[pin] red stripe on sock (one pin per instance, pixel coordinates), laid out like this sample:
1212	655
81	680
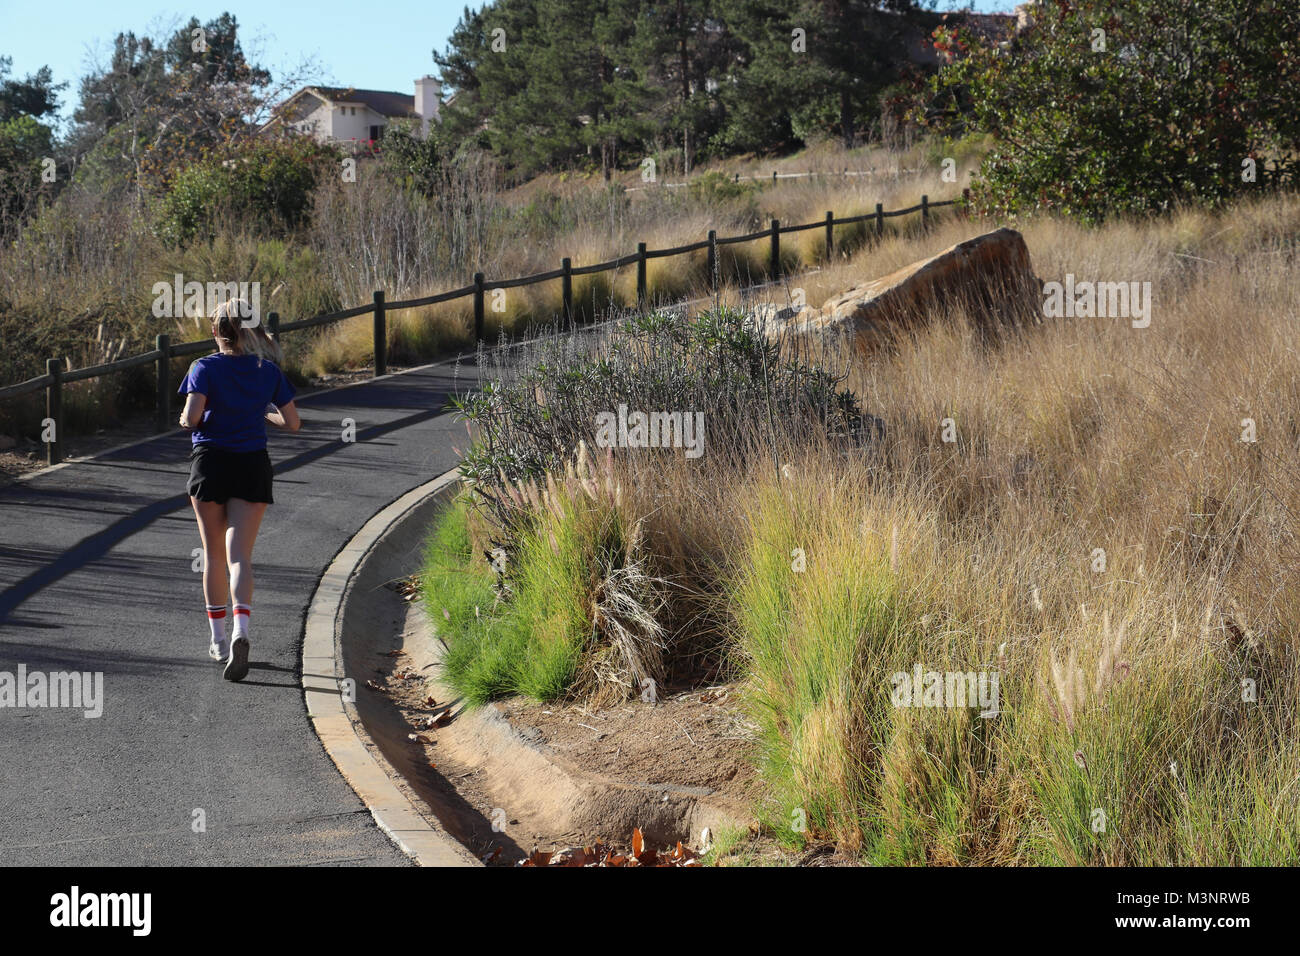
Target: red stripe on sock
243	610
217	614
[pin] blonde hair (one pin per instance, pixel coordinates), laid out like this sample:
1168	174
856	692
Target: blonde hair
228	327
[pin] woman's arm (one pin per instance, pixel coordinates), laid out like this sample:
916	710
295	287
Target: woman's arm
192	413
284	417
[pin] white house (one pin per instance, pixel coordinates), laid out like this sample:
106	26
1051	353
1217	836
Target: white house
337	114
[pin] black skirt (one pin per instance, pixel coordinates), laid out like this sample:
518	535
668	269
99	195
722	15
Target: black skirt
218	475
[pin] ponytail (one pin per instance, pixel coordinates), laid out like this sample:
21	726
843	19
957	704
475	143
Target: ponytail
240	339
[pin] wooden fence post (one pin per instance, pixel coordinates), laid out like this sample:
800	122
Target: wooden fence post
478	307
925	211
774	265
774	177
712	260
381	335
54	410
880	219
273	324
641	291
830	235
162	409
566	290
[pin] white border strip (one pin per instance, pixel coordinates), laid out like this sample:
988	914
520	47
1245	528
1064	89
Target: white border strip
391	808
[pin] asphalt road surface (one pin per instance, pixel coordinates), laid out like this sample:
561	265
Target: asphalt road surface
97	571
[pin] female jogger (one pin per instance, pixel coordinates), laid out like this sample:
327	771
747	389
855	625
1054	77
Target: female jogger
230	396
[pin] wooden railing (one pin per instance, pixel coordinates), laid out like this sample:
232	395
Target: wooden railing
56	376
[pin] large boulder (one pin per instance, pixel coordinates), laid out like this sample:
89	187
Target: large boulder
990	275
773	318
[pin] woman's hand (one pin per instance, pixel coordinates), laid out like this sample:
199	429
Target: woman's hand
286	417
192	413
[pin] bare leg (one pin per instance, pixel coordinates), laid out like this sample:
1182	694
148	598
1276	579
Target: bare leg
243	518
211	516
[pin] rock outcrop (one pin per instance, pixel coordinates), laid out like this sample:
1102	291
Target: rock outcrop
990	275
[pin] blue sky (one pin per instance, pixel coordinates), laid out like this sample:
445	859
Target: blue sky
383	45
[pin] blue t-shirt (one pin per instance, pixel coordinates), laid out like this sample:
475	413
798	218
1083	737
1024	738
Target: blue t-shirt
238	389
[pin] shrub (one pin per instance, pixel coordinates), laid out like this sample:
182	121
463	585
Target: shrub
265	184
571	609
716	187
415	160
540	406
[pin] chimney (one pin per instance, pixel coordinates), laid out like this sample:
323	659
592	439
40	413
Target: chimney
428	94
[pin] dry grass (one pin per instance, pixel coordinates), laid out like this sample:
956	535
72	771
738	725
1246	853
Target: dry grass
1099	536
662	218
73	269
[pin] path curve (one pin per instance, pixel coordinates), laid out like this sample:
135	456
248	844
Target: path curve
96	575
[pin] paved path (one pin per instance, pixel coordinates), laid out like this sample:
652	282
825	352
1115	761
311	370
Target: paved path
96	571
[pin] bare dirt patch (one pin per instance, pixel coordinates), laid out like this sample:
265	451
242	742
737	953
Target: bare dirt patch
695	738
513	777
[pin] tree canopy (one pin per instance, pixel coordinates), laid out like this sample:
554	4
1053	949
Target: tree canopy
545	83
1108	106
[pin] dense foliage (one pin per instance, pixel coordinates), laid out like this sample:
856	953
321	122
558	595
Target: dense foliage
267	183
538	407
1107	106
547	83
26	141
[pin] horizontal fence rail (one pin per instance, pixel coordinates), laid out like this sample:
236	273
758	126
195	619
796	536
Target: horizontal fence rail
56	375
810	174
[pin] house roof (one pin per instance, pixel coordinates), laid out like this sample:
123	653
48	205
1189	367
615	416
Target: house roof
381	101
988	26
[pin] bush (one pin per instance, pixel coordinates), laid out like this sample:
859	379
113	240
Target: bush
24	143
415	161
267	185
715	187
566	528
719	365
573	614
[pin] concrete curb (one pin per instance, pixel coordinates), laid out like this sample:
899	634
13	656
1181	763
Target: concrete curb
369	774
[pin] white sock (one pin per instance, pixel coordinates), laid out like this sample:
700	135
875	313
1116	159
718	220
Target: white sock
217	622
242	611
